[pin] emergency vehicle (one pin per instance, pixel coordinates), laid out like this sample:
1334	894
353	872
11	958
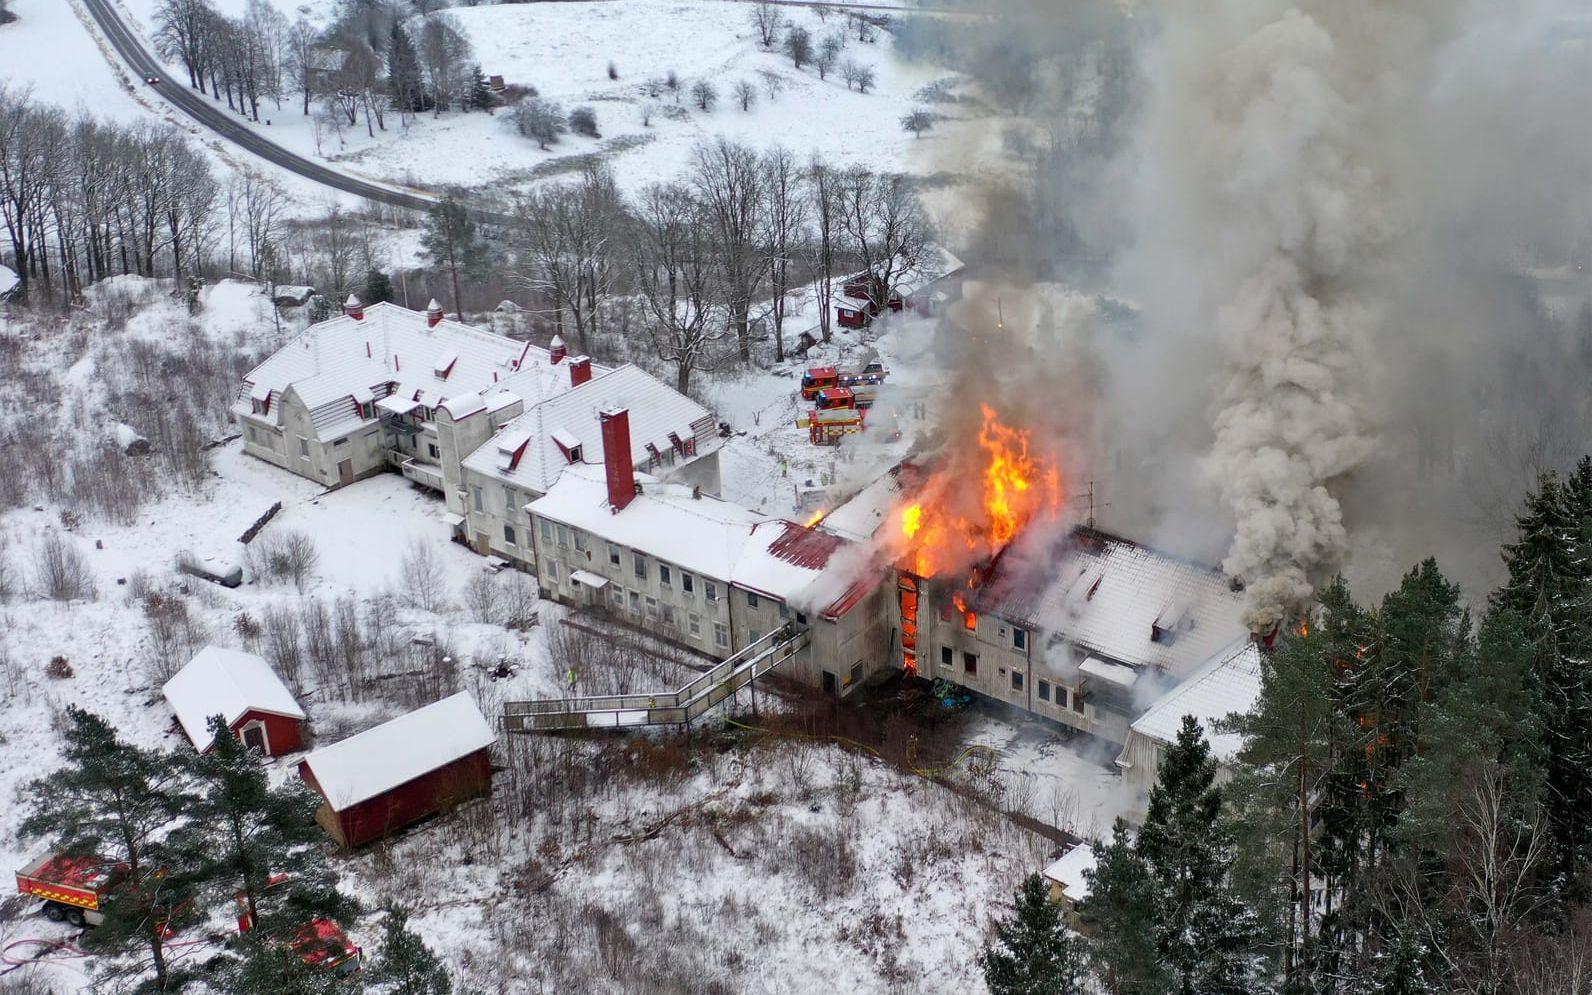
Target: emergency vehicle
870	374
71	887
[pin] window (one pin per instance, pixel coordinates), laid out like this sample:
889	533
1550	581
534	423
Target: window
635	602
340	442
563	537
641	567
1077	702
1044	690
687	582
580	540
511	502
947	658
613	554
1017	680
751	600
1020	638
547	531
721	634
970	663
508	535
856	674
663	574
304	448
552	571
652	607
668	615
616	594
710	590
753	637
431	447
801	618
784	610
475	496
694	623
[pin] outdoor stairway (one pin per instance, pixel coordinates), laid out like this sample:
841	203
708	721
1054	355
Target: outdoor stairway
667	708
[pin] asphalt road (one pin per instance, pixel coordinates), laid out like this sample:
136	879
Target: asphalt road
214	116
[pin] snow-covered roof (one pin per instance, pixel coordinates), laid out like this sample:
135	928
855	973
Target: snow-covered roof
569	419
860	516
8	280
702	534
1069	870
1119	601
784	559
228	683
335	360
396	752
1226	683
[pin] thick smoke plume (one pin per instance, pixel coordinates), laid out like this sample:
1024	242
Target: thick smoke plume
1354	236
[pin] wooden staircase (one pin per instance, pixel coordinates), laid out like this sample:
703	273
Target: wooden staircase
666	708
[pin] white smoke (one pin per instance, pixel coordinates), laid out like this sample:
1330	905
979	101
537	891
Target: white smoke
1276	183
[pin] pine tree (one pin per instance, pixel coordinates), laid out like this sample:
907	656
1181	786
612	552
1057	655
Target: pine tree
1205	936
1120	915
449	240
244	832
404	78
378	287
109	800
1033	952
480	97
406	963
1398	970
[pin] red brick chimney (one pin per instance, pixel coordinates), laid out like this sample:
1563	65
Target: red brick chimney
618	465
556	351
579	370
433	313
354	308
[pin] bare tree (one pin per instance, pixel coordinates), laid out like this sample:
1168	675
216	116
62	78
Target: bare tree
727	180
823	194
885	225
674	275
302	61
799	46
828	54
420	574
61	571
784	225
563	233
540	120
745	94
918	122
447	59
704	94
767	20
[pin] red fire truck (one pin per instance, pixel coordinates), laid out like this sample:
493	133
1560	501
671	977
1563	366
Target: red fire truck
869	374
319	942
71	887
837	414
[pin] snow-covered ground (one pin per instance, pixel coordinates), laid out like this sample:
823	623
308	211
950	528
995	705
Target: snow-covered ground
563	50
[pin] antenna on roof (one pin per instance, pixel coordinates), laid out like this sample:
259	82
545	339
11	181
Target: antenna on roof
1000	316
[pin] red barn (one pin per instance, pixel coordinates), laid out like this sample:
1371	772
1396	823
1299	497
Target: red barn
242	689
399	772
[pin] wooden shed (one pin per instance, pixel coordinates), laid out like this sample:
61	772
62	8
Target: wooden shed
391	776
242	689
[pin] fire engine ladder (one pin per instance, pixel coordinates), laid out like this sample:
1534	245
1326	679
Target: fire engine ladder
667	708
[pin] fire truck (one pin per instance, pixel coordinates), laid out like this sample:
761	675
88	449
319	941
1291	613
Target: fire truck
319	942
870	374
71	887
837	413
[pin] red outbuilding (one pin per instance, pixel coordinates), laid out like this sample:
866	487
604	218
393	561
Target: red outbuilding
242	689
388	777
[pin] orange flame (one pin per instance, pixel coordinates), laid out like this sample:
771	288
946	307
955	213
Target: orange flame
1017	486
817	517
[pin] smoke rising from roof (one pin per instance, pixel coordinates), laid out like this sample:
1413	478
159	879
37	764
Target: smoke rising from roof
1334	218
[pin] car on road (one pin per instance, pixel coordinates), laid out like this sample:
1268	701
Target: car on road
152	80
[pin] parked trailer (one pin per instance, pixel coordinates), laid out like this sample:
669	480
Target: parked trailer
71	887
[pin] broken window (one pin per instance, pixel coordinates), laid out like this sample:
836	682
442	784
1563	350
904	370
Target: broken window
663	574
1020	639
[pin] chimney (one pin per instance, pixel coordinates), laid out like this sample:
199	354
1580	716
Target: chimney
617	462
579	370
353	308
433	313
556	351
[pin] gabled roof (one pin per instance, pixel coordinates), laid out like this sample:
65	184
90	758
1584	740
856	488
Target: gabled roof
1226	683
1105	595
784	560
396	752
225	682
397	350
569	418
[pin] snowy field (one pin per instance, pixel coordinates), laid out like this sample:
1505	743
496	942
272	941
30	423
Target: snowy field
563	50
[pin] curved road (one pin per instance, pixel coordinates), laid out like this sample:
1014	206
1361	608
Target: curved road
216	118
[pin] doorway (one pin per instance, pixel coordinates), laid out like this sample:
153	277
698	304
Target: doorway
345	473
831	684
254	737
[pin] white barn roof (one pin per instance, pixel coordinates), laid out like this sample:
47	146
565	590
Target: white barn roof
396	752
1228	682
1070	869
225	682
